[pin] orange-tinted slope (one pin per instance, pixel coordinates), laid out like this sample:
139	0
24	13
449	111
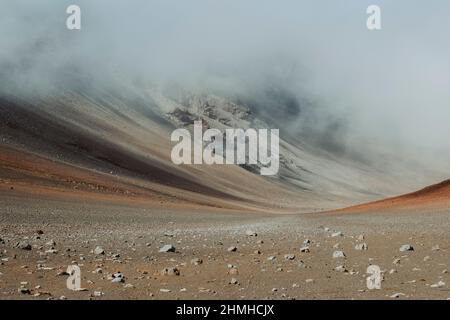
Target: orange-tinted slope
434	196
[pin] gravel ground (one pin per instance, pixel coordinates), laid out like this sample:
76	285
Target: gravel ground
41	238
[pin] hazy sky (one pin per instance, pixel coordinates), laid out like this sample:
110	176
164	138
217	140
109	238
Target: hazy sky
390	85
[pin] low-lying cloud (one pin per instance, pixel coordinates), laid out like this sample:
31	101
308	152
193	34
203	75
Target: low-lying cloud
312	64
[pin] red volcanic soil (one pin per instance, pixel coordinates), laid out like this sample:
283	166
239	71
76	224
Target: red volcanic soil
434	196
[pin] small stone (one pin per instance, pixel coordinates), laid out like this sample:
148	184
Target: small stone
24	245
406	247
397	295
99	250
98	293
289	257
337	234
396	261
232	249
360	237
196	261
340	269
24	290
361	246
50	243
118	277
309	280
338	254
271	258
251	233
440	284
304	249
234	281
427	258
435	248
117	280
164	290
172	271
53	251
306	242
167	248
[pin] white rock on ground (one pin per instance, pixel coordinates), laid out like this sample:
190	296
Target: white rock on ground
167	248
338	254
99	250
361	246
406	247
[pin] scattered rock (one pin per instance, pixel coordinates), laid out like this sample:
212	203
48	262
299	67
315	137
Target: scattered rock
99	250
340	269
24	290
337	234
170	271
196	261
304	249
289	257
360	237
397	295
306	242
251	233
234	281
118	277
271	258
396	261
98	293
406	247
361	246
440	284
167	248
164	290
338	254
50	243
24	245
232	249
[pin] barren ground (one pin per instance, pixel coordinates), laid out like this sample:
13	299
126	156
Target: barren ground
132	236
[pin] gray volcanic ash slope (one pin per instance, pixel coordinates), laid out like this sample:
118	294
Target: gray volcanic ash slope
122	139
